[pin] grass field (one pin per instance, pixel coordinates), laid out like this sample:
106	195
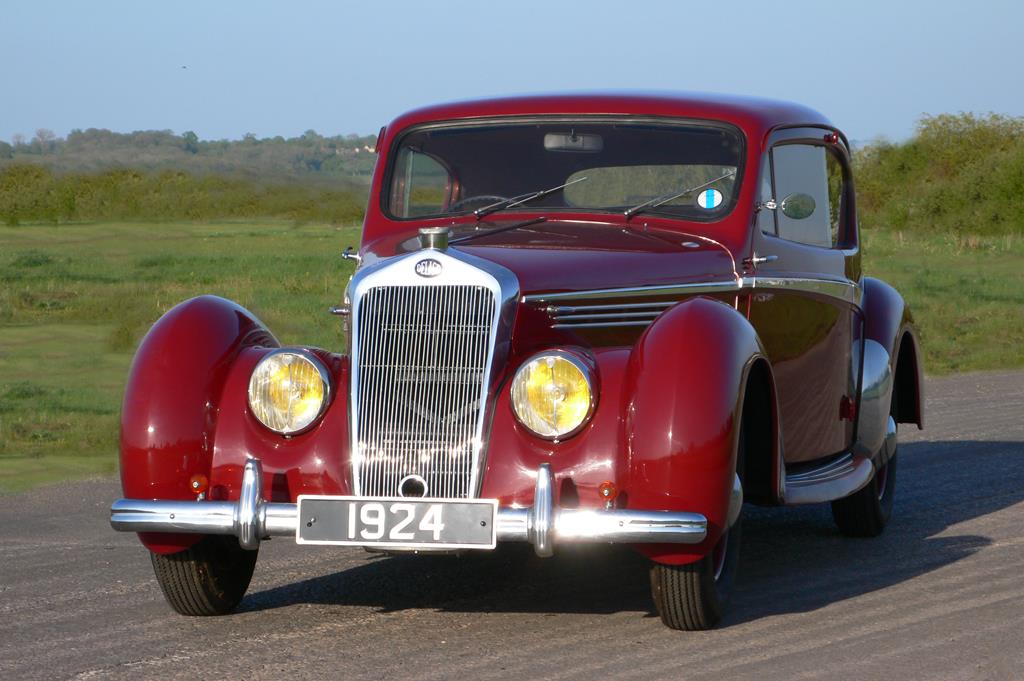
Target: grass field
76	299
965	294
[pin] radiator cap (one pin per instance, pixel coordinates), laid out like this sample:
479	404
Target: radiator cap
434	237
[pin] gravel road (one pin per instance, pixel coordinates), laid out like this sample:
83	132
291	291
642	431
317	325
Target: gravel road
939	596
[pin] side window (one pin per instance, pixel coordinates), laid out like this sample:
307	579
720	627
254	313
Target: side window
422	188
802	193
836	197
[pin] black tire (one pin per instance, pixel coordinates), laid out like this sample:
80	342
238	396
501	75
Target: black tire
689	597
865	513
210	578
694	597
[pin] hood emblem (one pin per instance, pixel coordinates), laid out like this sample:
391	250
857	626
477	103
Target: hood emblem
428	267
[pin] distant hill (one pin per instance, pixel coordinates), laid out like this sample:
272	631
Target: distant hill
311	157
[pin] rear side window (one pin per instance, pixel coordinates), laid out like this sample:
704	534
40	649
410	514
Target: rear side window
804	196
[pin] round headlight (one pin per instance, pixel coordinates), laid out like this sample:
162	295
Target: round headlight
288	391
552	394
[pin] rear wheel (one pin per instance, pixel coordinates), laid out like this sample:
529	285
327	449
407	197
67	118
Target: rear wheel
209	578
866	512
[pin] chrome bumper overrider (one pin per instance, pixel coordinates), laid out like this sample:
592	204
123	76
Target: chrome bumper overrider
252	519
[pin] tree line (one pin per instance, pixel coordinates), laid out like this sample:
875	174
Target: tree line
959	174
308	157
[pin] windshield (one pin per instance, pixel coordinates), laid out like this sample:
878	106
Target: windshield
687	170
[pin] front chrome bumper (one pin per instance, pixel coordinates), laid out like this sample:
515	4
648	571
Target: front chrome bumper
252	519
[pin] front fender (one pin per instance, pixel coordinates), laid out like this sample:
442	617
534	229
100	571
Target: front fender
685	388
170	404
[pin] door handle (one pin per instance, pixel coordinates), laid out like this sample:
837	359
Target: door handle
760	259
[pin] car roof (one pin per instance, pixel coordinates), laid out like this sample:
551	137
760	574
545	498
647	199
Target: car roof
755	115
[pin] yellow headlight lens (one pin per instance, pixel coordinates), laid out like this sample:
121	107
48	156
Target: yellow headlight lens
551	394
287	391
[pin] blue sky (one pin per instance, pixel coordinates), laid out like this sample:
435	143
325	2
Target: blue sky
275	68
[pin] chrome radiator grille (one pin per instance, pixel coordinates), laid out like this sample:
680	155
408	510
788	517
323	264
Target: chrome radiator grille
421	355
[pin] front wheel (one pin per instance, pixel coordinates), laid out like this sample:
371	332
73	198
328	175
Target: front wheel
208	578
694	597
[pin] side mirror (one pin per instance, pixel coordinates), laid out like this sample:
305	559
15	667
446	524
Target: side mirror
798	206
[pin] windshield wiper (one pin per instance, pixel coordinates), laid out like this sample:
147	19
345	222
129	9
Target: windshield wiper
665	198
521	199
505	228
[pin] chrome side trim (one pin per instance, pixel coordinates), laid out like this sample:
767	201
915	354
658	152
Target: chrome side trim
572	309
615	315
597	325
636	291
542	524
835	480
845	290
629	314
641	314
830	471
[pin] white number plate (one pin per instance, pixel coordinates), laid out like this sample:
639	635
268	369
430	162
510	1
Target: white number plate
398	522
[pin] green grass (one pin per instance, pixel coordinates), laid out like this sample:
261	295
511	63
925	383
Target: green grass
965	294
75	300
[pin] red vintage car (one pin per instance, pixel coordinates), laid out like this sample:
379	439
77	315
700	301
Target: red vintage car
587	318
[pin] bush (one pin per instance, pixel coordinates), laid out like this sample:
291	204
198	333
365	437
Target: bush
960	174
32	193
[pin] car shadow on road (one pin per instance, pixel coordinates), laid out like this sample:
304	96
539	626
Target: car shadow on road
793	559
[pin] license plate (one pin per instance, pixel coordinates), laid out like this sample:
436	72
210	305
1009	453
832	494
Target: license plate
398	522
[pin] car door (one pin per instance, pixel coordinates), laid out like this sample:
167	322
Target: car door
806	277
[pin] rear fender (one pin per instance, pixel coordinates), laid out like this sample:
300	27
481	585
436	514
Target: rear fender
684	400
171	401
891	360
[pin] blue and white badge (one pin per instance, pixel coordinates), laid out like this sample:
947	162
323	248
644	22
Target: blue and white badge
709	199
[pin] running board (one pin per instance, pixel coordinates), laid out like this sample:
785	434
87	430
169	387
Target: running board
834	480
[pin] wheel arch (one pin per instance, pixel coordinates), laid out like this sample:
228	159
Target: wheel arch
762	465
908	382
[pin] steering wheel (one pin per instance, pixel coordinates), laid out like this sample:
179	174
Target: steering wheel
485	199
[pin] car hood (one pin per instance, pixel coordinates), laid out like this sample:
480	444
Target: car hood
580	255
559	256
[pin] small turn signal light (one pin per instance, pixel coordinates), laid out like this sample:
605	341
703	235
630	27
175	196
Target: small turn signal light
608	490
198	483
